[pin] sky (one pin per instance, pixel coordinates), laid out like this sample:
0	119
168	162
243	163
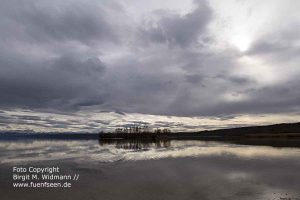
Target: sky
95	65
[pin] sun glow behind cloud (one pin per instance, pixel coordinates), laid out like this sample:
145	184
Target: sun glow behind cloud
242	22
242	42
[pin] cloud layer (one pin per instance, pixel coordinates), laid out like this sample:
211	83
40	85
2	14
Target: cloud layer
198	59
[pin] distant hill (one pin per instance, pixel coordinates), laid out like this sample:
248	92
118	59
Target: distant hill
284	129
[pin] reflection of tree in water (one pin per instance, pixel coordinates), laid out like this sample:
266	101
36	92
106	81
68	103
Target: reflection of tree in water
137	144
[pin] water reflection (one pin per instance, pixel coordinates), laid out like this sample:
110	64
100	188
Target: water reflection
24	151
137	144
197	169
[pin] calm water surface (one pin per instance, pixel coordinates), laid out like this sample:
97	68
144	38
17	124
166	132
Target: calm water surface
159	170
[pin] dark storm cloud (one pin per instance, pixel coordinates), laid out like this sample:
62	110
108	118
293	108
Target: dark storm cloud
264	47
66	81
176	30
282	44
28	117
5	119
279	50
38	66
287	96
271	99
239	79
194	78
56	21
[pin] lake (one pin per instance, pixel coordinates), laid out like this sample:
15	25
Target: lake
136	169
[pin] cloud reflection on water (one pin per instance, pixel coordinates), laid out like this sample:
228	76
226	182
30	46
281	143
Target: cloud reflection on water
205	170
37	150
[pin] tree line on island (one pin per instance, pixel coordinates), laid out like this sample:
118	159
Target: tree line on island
141	129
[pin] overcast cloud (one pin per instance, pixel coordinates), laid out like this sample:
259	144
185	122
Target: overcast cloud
188	60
